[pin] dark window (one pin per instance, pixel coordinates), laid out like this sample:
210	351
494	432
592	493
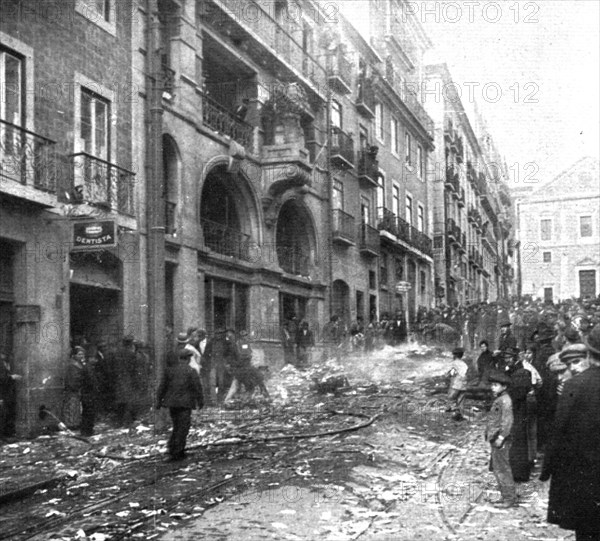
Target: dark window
547	257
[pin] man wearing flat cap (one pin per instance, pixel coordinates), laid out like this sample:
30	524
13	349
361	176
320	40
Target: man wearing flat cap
498	433
547	394
572	460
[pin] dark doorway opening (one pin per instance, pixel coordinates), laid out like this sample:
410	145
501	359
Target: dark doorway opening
95	314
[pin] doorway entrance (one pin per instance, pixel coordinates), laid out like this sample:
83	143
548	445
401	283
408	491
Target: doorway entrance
95	314
226	305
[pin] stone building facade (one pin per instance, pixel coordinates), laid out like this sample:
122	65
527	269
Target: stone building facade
69	252
473	247
558	228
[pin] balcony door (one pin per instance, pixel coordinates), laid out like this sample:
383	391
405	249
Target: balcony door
11	92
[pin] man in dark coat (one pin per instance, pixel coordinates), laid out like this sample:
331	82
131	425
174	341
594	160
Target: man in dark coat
573	459
8	398
520	385
547	396
180	391
506	339
304	341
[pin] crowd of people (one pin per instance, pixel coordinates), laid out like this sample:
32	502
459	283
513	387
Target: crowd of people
546	406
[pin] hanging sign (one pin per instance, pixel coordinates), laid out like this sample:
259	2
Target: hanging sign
94	234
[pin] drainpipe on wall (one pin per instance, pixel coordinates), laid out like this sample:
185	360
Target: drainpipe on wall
155	213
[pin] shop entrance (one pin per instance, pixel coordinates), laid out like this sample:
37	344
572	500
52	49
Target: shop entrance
291	306
95	297
95	314
226	305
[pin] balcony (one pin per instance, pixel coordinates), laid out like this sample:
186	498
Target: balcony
481	185
402	230
28	165
293	260
340	73
462	241
226	240
344	230
368	169
168	81
257	31
170	209
103	184
421	241
451	182
365	103
369	240
219	119
461	197
451	230
387	221
342	149
460	152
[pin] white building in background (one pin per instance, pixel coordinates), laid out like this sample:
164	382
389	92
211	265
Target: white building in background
559	230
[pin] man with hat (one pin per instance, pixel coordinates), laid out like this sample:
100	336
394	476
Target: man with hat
458	383
498	433
506	338
573	459
181	392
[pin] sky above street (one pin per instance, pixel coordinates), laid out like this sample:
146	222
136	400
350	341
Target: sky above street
533	70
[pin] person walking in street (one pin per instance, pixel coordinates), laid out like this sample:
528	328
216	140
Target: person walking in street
180	391
458	383
498	434
572	461
304	341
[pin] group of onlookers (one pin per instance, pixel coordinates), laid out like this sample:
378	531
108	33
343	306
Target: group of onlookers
116	382
203	371
547	401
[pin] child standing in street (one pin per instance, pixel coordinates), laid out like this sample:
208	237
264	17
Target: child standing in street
498	433
458	383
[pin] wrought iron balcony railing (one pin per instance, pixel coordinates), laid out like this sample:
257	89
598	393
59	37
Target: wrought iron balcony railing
386	221
369	239
368	167
340	73
294	260
219	119
267	31
342	148
27	158
226	240
103	183
365	103
421	241
343	226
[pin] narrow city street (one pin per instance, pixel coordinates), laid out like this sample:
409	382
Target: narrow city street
377	459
